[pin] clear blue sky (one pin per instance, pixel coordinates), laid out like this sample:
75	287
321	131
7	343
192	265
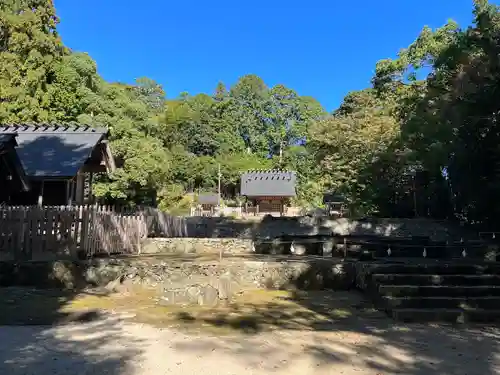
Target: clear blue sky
321	48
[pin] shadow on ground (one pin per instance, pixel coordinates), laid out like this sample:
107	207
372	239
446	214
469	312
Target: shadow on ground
33	341
340	329
92	347
261	311
42	334
270	330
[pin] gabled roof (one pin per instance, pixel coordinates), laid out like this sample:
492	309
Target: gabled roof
208	198
333	197
52	150
268	183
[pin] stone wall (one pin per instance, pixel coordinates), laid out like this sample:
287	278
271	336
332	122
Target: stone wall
269	227
385	227
196	245
175	274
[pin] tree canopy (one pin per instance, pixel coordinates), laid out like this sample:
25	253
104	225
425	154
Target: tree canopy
421	140
427	125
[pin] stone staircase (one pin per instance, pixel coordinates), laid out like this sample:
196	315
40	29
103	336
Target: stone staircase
418	291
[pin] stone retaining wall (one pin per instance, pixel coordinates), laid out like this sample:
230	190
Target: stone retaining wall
269	227
243	274
196	245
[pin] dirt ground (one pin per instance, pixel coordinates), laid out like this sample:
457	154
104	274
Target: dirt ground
261	332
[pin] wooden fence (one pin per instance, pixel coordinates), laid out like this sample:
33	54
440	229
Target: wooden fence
162	224
33	233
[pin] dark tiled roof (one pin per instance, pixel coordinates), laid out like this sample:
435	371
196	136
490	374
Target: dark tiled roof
54	151
208	199
268	183
7	140
332	197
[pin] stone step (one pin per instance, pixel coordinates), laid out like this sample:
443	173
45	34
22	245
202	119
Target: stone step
421	280
486	303
438	291
446	315
452	268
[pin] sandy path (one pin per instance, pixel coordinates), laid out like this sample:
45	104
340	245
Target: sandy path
112	346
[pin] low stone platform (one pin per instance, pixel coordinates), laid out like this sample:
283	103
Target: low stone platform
206	291
185	245
187	278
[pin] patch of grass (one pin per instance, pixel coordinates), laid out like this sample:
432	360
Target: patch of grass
249	312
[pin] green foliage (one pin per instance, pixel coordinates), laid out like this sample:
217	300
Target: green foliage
30	52
245	127
165	148
388	147
350	142
433	108
173	198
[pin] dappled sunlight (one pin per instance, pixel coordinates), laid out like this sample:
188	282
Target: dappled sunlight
417	350
257	311
282	330
249	312
97	346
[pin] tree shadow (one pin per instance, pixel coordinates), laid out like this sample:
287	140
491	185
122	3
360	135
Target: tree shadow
84	347
340	329
42	333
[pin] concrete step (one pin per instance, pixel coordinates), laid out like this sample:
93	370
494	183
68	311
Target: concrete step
446	315
439	291
420	280
486	303
438	268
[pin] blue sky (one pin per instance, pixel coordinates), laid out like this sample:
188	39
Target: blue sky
320	48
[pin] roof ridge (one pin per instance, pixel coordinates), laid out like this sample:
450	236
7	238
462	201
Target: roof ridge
269	171
48	128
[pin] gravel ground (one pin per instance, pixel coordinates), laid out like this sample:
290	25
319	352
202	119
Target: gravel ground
111	345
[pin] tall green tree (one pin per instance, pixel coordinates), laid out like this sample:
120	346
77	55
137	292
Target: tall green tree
30	51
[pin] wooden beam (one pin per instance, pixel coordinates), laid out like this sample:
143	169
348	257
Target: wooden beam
80	177
91	192
109	160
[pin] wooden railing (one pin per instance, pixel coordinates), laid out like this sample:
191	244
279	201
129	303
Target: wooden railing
31	232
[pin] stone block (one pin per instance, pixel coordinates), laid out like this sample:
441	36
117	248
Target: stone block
328	249
175	297
193	292
151	247
224	287
199	247
208	296
180	247
204	295
298	248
